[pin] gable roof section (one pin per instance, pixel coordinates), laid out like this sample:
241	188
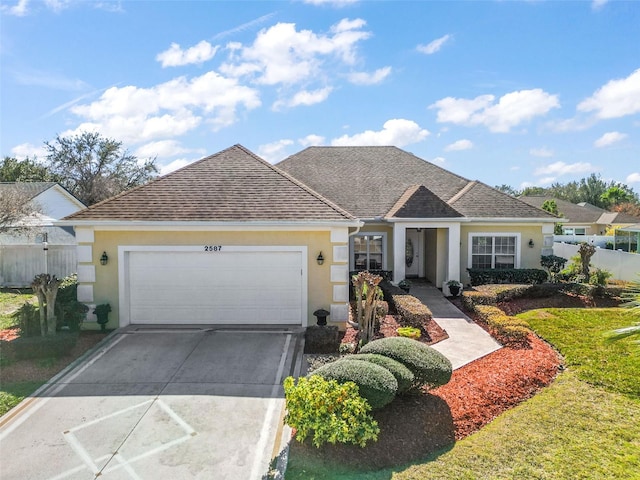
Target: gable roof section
420	202
232	185
370	181
582	213
32	189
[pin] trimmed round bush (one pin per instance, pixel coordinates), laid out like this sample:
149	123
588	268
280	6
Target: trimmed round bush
376	384
429	366
403	375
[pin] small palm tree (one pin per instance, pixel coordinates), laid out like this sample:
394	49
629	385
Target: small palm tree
632	297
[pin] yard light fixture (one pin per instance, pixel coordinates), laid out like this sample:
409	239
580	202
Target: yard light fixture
531	243
104	258
320	259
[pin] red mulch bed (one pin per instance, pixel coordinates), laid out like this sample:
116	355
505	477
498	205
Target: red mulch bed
431	331
9	334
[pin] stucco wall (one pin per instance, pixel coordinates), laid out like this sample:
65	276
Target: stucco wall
326	283
529	257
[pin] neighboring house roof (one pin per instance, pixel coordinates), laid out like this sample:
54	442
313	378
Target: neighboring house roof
232	185
50	201
582	213
370	181
32	189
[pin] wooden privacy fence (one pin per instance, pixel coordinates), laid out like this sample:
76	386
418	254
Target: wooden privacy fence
20	263
622	265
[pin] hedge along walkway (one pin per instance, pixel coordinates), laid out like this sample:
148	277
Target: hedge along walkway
467	340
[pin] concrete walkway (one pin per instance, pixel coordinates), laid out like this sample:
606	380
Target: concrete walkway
467	341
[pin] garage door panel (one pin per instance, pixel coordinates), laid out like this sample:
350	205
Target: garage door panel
220	287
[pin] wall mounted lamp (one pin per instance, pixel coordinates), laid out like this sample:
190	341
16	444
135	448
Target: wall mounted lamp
104	259
531	244
320	259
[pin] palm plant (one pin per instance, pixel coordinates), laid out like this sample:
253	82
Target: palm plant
632	297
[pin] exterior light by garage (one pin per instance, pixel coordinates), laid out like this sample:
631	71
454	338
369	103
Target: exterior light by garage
320	259
531	243
321	315
104	259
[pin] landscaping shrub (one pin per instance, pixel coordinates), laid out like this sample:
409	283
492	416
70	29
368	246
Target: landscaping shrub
553	264
599	277
502	325
376	384
402	374
429	366
28	319
40	347
409	332
493	294
328	411
482	276
412	311
70	312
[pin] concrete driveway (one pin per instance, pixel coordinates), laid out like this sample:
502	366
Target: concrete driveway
158	403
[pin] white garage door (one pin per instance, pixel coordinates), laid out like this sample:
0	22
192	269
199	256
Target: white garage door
221	287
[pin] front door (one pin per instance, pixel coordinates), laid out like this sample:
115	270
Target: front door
413	252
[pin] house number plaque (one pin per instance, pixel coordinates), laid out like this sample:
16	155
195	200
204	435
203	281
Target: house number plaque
212	248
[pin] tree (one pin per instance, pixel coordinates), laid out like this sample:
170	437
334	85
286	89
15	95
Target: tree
530	191
94	168
508	189
27	170
616	195
15	207
46	288
551	206
627	207
586	251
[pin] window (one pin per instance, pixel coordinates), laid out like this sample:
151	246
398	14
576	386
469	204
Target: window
574	230
494	251
368	252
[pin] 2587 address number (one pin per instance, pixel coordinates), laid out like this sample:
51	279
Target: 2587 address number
212	248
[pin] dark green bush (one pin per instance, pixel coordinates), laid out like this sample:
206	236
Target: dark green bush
376	384
28	319
403	375
412	311
41	347
328	411
70	313
429	366
482	276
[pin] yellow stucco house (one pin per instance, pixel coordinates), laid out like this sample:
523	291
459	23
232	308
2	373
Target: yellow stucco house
231	239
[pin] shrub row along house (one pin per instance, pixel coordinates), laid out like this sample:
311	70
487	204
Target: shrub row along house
231	239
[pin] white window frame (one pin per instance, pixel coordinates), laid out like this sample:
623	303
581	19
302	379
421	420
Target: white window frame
565	230
495	234
352	263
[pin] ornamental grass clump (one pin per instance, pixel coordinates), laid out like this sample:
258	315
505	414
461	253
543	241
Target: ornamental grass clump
328	411
430	367
376	384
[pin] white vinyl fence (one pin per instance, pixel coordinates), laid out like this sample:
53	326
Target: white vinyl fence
20	263
622	265
597	240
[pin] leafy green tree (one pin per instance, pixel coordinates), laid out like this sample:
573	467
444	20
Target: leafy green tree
551	206
27	170
616	195
508	189
529	191
94	168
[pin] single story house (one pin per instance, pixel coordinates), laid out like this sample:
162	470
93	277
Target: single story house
583	218
231	239
43	247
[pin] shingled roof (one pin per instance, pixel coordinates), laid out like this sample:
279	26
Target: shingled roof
369	182
232	185
31	189
583	212
420	202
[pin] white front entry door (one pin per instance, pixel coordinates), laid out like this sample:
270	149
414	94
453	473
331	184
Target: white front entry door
414	248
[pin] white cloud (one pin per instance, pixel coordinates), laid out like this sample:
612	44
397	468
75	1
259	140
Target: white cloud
459	145
511	109
18	10
398	132
541	152
615	99
275	151
609	138
333	3
305	98
311	140
633	177
366	78
434	46
283	55
175	165
546	180
164	149
598	4
25	150
439	161
176	56
562	168
134	114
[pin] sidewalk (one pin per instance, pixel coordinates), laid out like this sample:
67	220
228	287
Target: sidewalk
467	341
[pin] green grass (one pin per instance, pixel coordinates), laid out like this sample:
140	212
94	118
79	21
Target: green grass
12	394
586	425
10	301
580	335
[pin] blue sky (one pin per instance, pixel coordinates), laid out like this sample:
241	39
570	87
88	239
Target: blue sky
523	93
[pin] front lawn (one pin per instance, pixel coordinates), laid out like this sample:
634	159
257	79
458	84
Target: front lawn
10	300
580	335
585	425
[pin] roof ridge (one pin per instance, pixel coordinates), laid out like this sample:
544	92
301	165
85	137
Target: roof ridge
462	192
